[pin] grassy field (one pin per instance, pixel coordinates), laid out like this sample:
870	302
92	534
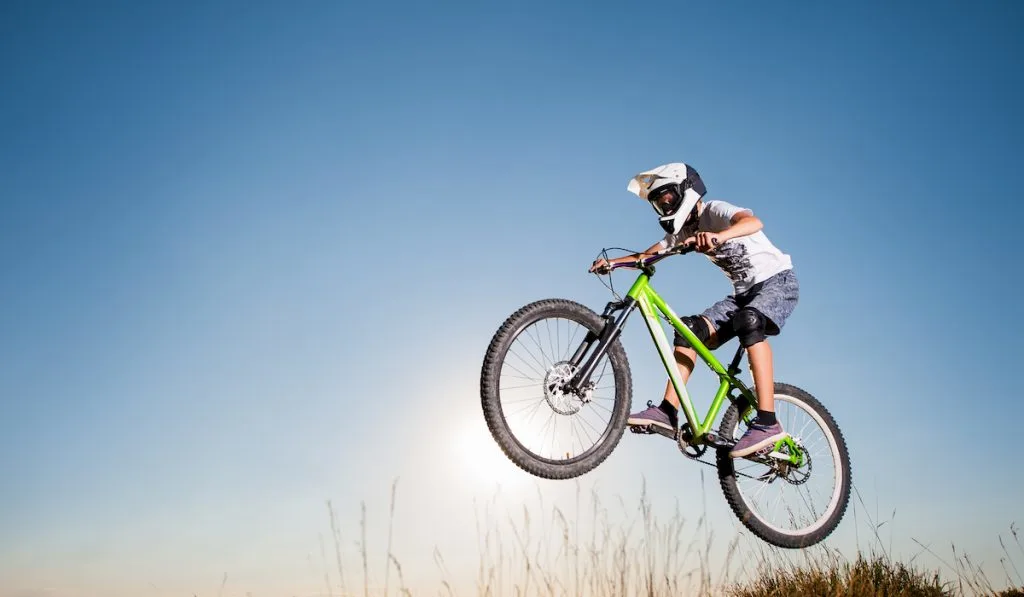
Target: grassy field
545	553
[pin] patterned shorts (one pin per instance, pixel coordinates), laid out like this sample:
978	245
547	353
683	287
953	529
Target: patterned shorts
775	298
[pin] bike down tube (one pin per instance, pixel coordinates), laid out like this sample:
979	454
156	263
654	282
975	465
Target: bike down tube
648	300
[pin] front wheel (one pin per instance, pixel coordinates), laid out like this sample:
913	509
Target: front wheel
789	504
541	426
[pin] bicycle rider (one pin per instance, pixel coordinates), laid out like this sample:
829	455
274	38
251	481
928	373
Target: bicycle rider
765	290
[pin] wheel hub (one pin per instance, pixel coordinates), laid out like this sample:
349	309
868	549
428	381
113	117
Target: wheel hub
560	401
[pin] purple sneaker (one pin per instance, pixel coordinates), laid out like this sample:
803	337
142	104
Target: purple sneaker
652	415
757	437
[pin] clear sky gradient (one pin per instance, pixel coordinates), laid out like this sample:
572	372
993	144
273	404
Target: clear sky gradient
252	255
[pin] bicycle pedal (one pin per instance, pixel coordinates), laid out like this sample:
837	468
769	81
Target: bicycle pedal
717	441
641	429
652	430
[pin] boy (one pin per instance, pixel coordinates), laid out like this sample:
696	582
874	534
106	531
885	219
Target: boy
765	290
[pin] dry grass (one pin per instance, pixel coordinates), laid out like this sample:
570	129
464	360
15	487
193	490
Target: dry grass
543	552
875	576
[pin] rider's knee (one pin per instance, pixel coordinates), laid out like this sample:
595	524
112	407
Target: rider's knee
749	326
700	327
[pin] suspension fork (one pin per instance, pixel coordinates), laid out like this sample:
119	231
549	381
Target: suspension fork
610	333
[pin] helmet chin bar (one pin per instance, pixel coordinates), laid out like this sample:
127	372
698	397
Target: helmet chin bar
674	224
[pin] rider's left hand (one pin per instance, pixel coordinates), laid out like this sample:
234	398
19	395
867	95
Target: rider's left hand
601	266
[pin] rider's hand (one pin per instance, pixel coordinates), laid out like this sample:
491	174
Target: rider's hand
601	266
707	241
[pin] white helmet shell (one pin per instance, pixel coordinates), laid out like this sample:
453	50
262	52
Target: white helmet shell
676	173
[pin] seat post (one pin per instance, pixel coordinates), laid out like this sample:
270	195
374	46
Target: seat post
735	364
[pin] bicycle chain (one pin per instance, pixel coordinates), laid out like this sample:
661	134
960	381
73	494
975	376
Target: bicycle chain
698	458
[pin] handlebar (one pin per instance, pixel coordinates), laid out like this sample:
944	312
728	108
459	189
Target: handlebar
645	262
677	250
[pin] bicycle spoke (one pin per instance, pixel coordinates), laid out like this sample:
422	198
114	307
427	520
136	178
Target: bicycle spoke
536	336
529	385
531	378
801	432
552	423
583	430
533	402
529	365
543	353
532	398
539	362
584	420
787	498
602	407
572	340
535	406
551	340
778	500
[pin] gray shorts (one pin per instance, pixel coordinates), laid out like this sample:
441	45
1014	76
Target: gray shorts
775	298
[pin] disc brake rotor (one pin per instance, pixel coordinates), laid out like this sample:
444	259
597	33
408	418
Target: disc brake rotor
558	399
793	475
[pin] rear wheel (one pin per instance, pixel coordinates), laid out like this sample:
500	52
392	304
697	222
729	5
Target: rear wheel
543	428
785	504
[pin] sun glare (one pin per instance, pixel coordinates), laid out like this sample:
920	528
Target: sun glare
480	458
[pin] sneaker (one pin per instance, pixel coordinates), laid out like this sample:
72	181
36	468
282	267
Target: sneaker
653	415
757	437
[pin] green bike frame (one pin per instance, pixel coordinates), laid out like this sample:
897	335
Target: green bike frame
642	296
650	303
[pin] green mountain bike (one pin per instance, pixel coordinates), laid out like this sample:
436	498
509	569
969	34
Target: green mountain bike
556	392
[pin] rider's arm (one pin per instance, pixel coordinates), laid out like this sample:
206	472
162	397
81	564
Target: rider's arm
654	249
741	224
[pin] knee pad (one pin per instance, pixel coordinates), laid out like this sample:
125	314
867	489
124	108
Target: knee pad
698	326
749	326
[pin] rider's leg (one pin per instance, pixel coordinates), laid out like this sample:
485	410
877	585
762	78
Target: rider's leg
750	326
765	309
666	415
760	356
686	359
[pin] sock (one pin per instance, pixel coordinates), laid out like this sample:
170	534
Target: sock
766	417
667	408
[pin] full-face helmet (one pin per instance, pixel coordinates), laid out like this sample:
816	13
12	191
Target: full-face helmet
672	190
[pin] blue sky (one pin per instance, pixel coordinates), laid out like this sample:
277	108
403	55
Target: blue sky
253	255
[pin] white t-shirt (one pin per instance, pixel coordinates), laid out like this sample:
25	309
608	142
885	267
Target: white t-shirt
745	260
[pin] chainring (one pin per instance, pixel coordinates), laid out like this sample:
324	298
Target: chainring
683	439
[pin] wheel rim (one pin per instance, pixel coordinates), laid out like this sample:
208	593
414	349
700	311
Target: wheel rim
550	424
797	501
